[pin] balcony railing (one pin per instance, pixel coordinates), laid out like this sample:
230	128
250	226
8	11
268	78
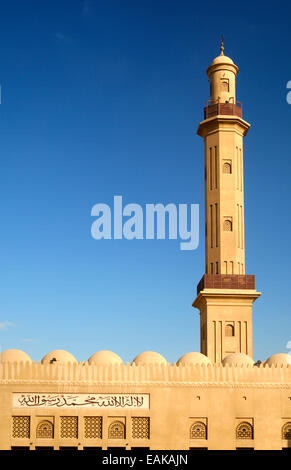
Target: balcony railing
226	281
226	109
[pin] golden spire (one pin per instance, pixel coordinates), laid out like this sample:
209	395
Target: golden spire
222	45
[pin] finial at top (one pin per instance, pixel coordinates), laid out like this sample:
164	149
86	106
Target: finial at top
222	45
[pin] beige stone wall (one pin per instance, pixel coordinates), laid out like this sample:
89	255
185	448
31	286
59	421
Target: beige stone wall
219	397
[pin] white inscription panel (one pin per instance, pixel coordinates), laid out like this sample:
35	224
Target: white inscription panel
72	400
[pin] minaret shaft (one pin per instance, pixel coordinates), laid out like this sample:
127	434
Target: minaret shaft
224	198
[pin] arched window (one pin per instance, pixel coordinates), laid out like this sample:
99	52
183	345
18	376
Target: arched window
244	431
116	430
45	429
227	225
224	84
286	431
226	168
198	430
229	330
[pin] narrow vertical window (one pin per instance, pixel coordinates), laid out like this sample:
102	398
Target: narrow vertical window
211	226
210	167
237	169
231	266
241	170
216	168
238	223
224	85
242	227
216	223
241	224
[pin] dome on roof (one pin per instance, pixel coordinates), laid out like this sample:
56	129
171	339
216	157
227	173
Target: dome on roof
222	62
149	357
193	358
14	355
222	59
238	359
279	360
105	357
58	355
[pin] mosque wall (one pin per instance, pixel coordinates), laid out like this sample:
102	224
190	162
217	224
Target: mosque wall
155	406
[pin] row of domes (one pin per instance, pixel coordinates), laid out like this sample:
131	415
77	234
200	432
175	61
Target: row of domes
147	357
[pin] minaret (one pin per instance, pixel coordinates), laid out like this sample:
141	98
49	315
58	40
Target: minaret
225	294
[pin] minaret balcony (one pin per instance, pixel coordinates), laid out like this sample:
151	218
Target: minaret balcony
215	108
226	281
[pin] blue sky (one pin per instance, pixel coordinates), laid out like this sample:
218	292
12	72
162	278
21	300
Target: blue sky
103	98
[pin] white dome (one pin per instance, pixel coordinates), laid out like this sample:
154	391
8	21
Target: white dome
193	358
105	357
14	355
58	355
238	359
149	357
279	360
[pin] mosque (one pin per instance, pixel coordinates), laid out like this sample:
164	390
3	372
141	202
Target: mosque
216	399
